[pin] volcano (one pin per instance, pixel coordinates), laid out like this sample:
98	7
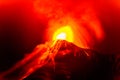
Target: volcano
62	60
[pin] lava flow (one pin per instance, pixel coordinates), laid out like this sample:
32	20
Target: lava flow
41	55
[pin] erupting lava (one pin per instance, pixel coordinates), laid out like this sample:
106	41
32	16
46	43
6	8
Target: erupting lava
64	33
61	36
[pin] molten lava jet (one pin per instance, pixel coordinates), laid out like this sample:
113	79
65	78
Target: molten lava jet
64	33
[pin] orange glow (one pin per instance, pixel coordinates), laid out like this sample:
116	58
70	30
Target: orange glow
79	25
64	33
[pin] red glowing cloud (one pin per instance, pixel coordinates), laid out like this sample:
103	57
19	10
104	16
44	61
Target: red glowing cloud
80	16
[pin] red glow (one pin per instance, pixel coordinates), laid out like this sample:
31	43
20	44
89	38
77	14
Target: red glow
67	21
81	18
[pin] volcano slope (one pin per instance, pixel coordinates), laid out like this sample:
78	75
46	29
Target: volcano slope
74	63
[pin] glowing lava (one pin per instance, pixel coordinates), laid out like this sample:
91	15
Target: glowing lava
61	36
64	33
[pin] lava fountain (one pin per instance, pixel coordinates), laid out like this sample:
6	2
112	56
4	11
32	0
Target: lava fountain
64	33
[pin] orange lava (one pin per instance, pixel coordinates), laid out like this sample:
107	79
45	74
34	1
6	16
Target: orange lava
64	33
